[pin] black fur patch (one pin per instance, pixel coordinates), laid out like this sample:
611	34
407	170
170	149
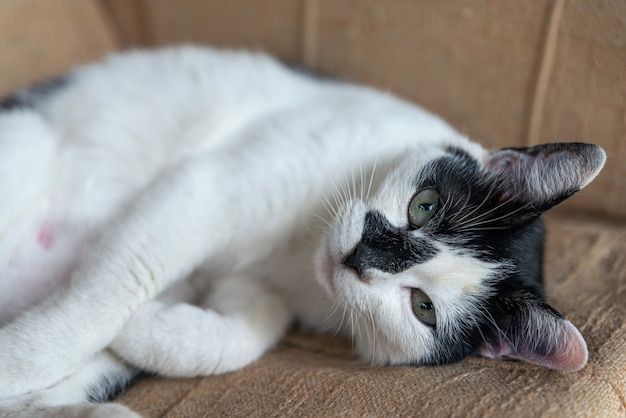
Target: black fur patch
111	385
475	219
30	97
387	248
311	73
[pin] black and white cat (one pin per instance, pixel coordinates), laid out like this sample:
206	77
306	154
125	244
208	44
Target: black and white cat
174	211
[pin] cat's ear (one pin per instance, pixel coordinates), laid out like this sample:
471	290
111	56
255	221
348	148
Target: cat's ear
532	331
545	175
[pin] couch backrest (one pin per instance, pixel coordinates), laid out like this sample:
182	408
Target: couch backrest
504	73
40	39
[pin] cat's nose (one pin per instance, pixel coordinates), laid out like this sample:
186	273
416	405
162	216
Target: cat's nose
355	259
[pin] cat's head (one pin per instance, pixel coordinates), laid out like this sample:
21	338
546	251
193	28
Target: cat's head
445	260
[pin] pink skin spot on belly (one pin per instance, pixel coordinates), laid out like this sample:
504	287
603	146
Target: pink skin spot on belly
46	236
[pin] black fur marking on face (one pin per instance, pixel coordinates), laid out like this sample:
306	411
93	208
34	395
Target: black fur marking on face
387	248
31	97
474	219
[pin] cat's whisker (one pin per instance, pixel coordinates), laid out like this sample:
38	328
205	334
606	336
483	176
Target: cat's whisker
330	208
351	185
360	179
501	334
341	321
373	339
323	220
369	186
350	326
357	321
337	189
466	216
485	214
447	204
335	192
344	192
312	243
492	228
453	219
333	310
340	186
513	212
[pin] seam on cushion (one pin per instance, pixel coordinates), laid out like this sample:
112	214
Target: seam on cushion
181	399
618	392
614	388
310	27
545	71
140	18
317	350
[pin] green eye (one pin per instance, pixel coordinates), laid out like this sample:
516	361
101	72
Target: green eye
423	207
423	307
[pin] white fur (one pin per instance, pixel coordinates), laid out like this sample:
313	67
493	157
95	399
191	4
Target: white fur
152	166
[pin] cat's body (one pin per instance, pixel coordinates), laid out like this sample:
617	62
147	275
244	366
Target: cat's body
259	196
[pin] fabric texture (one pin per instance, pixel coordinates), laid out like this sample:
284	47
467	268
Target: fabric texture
504	73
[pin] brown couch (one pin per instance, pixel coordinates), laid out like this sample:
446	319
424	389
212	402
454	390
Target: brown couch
505	73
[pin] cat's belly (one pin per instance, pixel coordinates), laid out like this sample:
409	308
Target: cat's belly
37	262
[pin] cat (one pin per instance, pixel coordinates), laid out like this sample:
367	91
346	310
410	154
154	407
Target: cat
173	211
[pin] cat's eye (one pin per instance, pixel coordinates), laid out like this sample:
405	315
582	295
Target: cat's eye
423	207
423	307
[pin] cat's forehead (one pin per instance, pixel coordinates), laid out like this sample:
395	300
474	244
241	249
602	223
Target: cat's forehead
419	162
437	167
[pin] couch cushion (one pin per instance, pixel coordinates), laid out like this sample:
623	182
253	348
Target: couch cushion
41	39
269	25
315	375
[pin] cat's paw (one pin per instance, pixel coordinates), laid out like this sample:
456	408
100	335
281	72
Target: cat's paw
70	411
242	320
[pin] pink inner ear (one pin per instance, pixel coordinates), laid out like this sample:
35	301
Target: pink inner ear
570	355
545	174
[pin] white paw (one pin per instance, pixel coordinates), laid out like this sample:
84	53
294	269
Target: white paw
71	411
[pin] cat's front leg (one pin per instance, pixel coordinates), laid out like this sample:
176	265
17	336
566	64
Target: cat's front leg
162	236
241	320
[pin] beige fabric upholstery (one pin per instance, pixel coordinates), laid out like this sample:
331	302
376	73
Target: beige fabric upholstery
504	73
41	39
